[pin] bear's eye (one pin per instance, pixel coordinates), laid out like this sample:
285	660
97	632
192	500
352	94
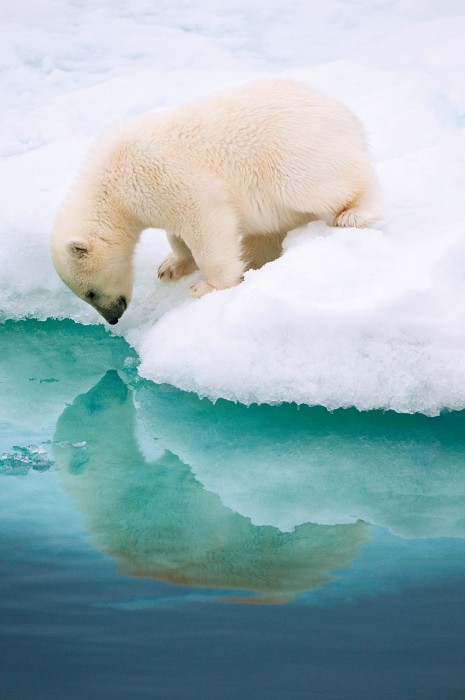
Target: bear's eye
90	294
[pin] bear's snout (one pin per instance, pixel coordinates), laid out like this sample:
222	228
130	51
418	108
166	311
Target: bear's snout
113	313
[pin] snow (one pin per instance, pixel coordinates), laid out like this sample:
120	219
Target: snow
372	319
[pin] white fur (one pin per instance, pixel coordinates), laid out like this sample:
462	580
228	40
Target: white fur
226	177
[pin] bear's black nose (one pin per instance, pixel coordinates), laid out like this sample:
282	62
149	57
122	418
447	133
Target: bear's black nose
114	312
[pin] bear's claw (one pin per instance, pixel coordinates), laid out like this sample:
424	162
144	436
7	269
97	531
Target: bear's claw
199	289
173	268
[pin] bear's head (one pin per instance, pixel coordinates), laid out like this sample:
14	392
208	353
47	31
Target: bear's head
94	234
96	270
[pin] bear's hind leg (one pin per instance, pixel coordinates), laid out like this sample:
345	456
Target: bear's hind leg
179	264
362	210
355	217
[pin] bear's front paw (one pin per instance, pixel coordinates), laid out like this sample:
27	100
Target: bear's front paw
174	268
199	289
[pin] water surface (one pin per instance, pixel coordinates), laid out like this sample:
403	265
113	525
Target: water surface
156	545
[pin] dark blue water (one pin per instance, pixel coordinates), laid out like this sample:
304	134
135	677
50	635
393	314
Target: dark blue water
154	545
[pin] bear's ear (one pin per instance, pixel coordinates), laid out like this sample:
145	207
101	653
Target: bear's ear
78	248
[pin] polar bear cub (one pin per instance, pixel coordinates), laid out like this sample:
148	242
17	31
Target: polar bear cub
226	177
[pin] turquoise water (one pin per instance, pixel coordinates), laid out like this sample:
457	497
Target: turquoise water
156	545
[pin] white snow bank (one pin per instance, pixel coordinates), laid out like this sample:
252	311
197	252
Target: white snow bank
345	317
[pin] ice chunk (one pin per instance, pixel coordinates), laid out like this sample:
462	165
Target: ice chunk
22	459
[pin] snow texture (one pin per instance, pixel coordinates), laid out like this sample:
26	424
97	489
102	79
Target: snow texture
373	318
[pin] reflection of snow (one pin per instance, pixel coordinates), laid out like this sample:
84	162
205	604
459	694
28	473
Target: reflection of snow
283	466
372	319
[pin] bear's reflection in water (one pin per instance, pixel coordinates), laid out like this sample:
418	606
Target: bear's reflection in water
158	521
